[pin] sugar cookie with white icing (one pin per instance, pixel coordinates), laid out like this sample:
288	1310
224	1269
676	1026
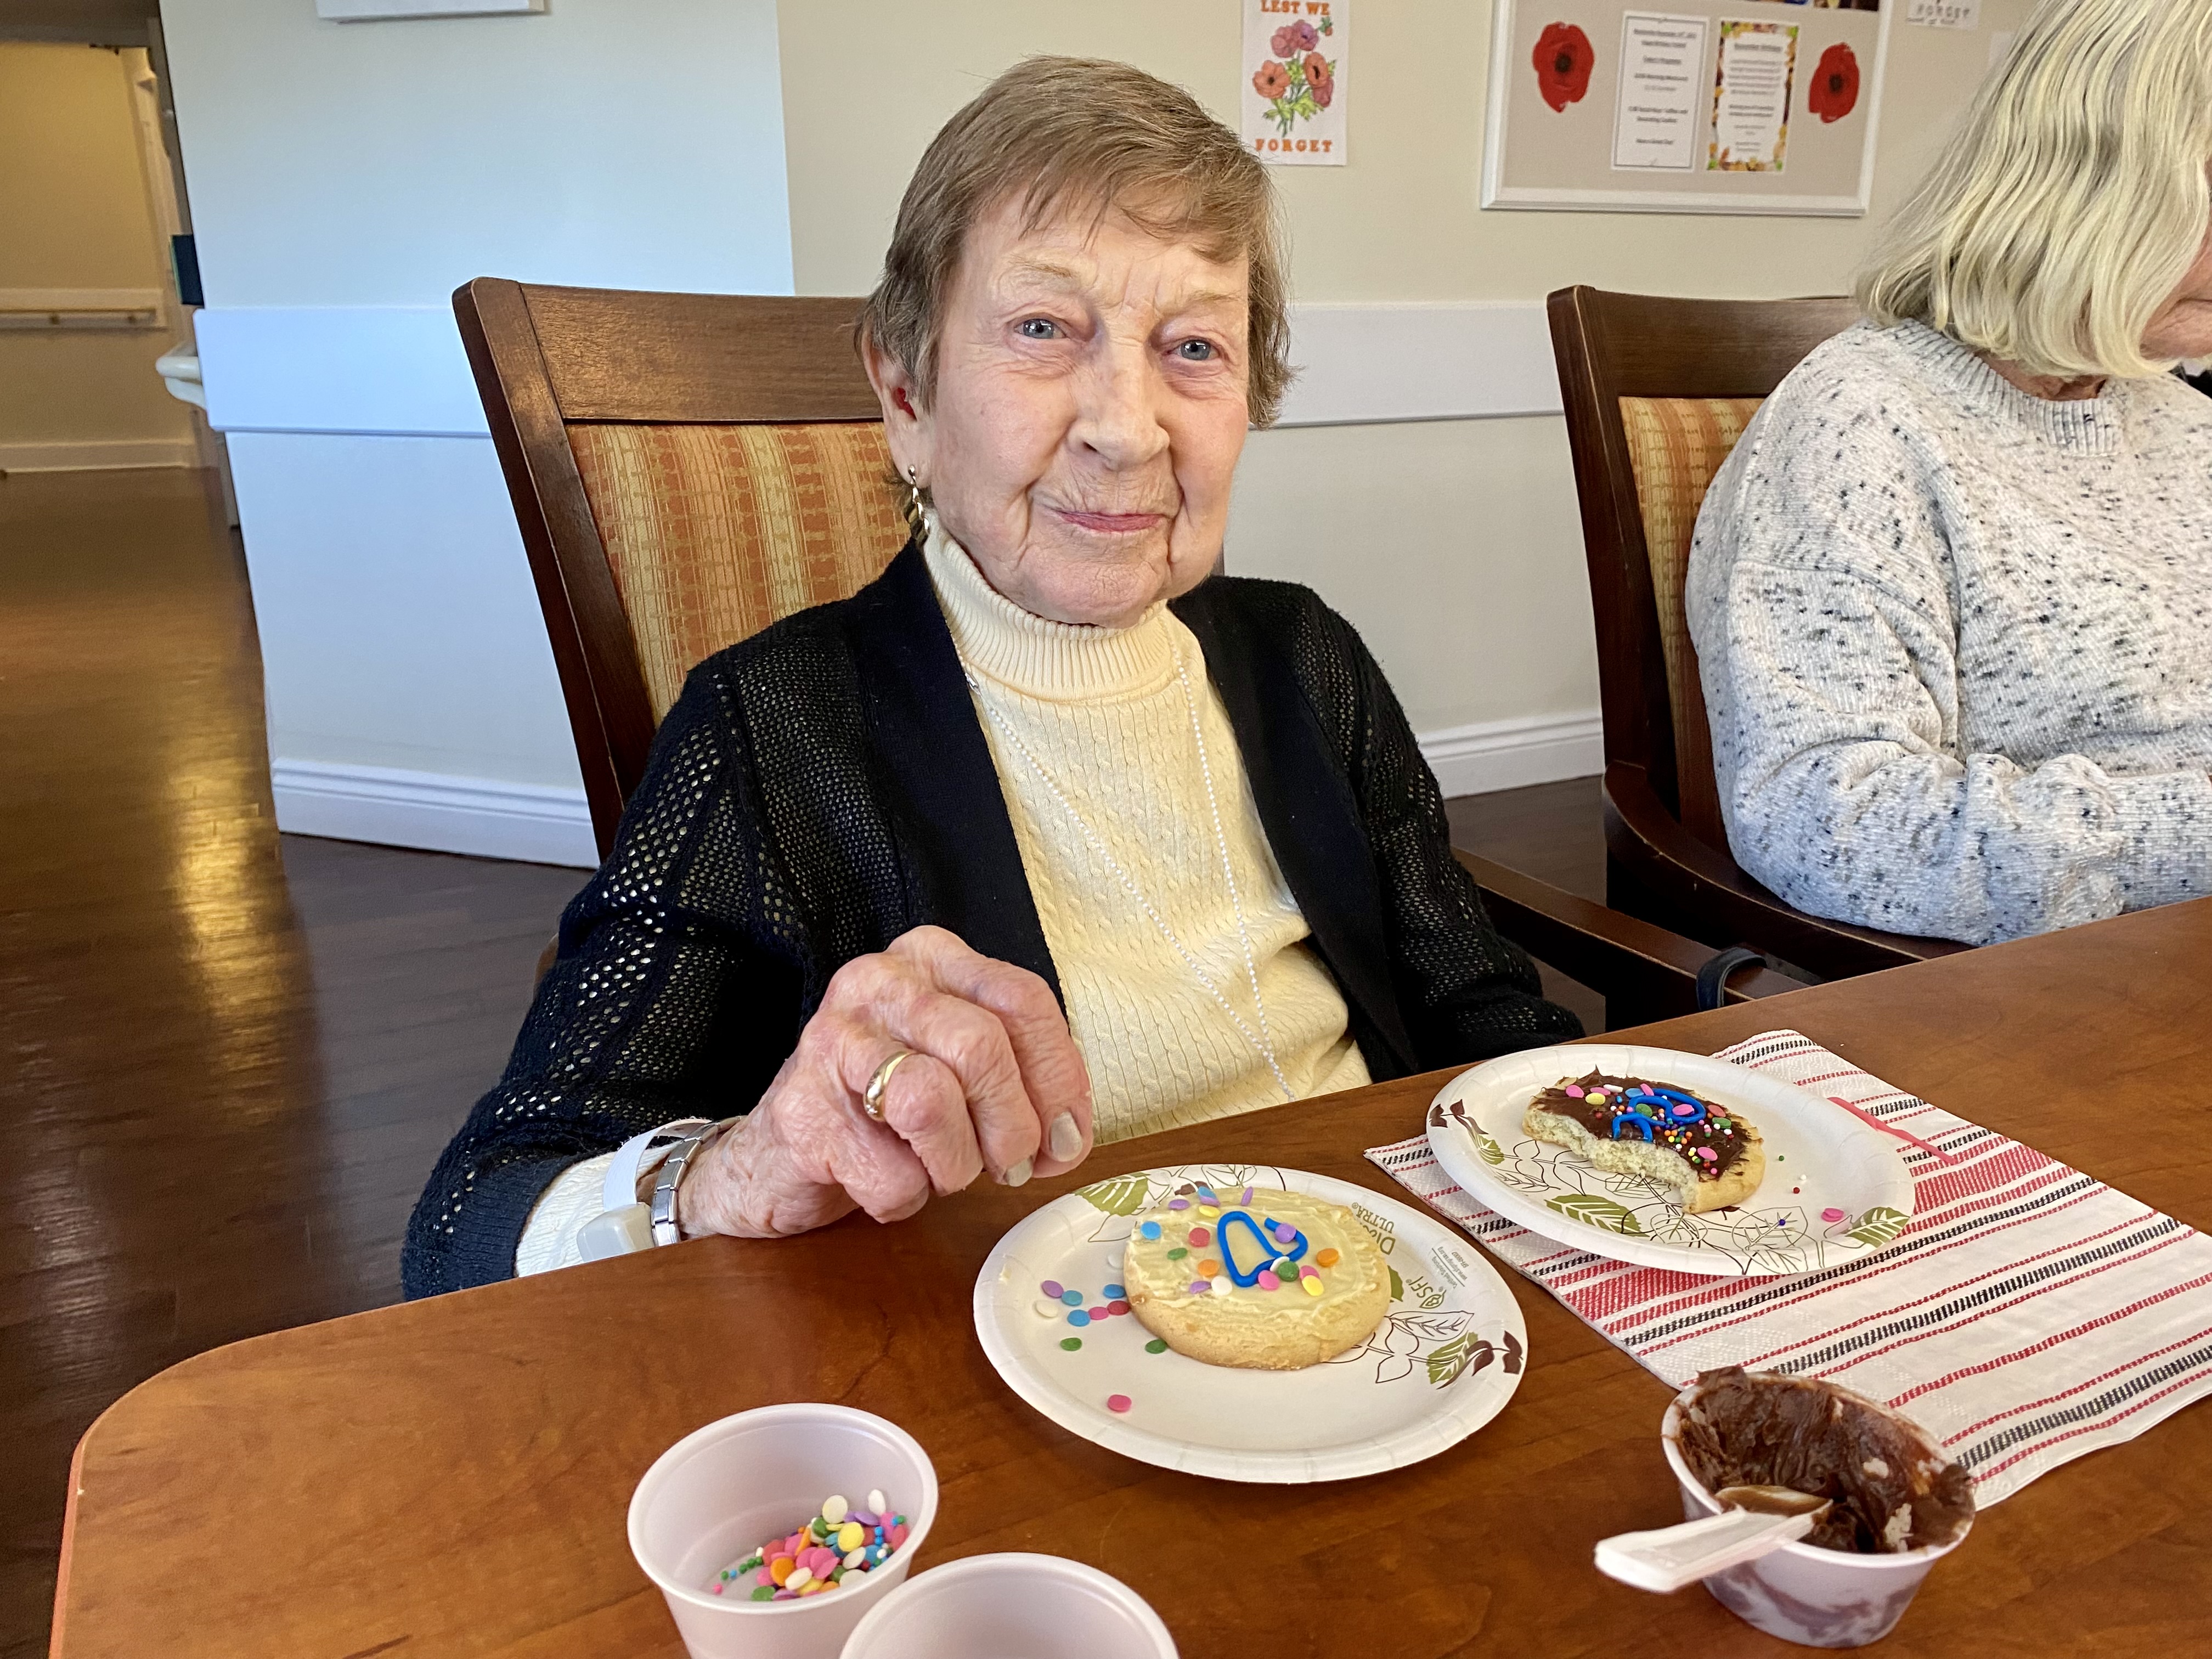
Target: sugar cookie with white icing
1275	1282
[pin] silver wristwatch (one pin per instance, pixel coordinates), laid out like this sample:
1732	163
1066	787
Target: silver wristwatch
662	1209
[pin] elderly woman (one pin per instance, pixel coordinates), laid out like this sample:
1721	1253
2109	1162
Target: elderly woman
1044	838
1952	595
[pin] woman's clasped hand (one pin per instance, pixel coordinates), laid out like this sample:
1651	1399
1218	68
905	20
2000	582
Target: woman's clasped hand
986	1080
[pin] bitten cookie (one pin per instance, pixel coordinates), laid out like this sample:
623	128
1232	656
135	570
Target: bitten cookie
1272	1281
1707	1153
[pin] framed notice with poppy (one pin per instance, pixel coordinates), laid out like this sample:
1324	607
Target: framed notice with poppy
1297	58
1707	106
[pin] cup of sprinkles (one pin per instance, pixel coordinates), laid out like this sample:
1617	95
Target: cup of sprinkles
820	1507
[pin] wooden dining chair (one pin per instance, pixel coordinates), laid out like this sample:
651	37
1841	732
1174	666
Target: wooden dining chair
1657	391
687	469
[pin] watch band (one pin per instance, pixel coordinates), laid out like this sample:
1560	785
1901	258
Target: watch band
662	1208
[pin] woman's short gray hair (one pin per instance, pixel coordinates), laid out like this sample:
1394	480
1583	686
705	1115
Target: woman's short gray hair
1085	133
2072	198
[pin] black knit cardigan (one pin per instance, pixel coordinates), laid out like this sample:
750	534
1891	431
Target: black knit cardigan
823	787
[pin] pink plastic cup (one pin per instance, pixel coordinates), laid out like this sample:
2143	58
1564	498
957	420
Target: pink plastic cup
1814	1597
717	1493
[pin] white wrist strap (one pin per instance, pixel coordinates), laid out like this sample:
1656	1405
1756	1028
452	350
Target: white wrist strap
624	1223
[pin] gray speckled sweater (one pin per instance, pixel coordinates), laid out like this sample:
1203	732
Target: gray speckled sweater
1957	643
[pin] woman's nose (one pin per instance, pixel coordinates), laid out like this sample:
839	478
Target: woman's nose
1117	408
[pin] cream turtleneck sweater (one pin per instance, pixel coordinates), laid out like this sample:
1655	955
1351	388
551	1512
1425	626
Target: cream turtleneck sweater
1103	713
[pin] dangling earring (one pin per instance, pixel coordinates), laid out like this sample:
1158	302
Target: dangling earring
914	499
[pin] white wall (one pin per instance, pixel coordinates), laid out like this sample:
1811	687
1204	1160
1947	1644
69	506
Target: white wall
1455	547
344	179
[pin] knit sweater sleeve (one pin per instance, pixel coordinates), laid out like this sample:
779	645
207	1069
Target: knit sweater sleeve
665	1002
1467	992
1820	596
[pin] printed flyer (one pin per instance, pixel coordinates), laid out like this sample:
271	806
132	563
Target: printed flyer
1295	54
1751	97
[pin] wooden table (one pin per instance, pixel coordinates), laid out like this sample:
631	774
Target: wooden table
451	1476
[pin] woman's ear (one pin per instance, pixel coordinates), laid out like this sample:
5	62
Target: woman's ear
906	420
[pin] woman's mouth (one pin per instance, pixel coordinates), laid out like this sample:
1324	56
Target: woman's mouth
1112	523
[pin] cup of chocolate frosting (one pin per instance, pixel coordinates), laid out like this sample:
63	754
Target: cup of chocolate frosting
1898	1504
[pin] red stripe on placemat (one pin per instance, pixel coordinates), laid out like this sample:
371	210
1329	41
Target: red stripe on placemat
1980	1313
1956	1287
2096	1426
2066	1394
2051	1341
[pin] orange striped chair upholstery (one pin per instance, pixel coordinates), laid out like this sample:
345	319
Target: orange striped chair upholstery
1675	446
713	531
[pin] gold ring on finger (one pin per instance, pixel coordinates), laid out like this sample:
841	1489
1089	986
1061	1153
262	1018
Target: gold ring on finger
871	1097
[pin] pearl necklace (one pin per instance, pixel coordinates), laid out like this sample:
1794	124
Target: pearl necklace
1263	1040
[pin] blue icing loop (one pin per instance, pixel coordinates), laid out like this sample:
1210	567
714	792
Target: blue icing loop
1270	1250
1638	1117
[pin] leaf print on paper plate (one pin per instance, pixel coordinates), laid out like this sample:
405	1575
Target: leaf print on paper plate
1595	1210
1879	1225
1122	1195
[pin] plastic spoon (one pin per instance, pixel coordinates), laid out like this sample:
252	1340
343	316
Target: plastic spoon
1753	1521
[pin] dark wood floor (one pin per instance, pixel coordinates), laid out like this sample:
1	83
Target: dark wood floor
227	1057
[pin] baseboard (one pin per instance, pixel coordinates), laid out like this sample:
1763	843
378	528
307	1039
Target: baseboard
538	824
534	824
105	457
1494	755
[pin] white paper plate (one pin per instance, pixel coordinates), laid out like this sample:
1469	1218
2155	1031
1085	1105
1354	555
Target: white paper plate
1835	1189
1443	1362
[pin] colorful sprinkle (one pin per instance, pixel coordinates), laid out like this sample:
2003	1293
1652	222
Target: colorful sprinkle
1045	1307
816	1557
1117	1403
1284	1232
1574	1091
1328	1258
1178	1204
1221	1284
1832	1213
1079	1319
1149	1229
1113	1290
1268	1281
1097	1314
1200	1287
1118	1306
1312	1282
1200	1236
1073	1298
1071	1343
1156	1345
1247	1198
1053	1288
1178	1253
1208	1268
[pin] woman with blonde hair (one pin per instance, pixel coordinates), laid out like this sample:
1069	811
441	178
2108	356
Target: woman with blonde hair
1952	594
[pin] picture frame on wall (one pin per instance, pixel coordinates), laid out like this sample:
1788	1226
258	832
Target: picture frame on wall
1747	106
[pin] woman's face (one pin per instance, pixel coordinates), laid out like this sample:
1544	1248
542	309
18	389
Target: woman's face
1088	412
2182	327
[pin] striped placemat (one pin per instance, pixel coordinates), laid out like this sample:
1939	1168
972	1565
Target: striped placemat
2029	1313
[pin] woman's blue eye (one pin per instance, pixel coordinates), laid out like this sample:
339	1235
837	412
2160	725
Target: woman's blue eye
1039	328
1196	352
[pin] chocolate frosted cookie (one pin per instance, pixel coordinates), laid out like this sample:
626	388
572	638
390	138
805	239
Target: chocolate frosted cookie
1705	1152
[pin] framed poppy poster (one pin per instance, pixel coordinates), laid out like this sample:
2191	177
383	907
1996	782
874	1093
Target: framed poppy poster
1296	56
1691	106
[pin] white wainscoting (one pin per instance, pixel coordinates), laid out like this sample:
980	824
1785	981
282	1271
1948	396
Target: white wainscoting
98	456
544	825
1512	754
400	372
533	823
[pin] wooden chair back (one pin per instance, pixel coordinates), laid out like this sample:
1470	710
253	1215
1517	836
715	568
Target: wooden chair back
686	469
1657	391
